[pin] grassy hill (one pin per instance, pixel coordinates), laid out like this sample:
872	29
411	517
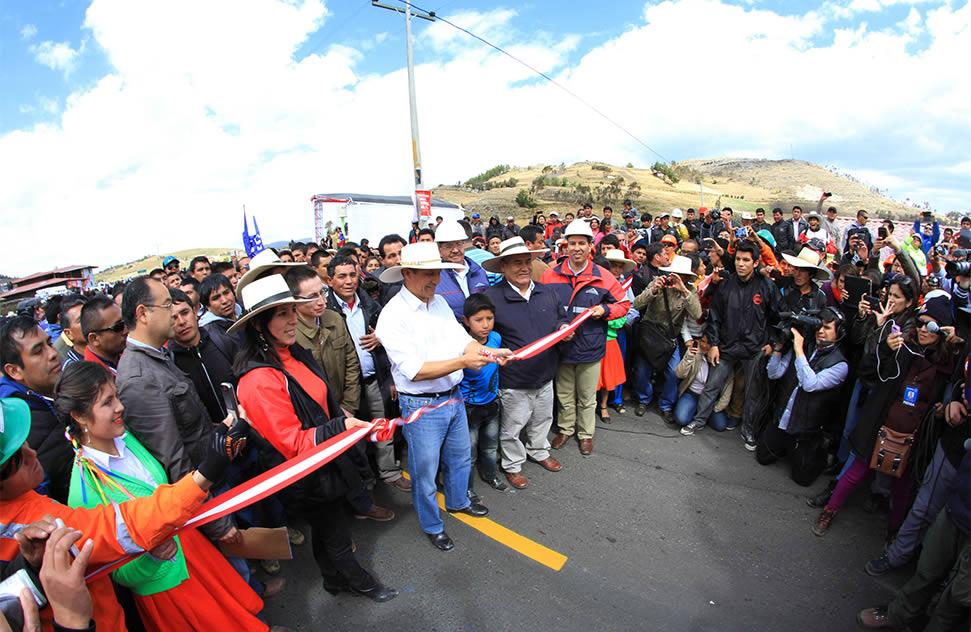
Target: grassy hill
149	263
743	184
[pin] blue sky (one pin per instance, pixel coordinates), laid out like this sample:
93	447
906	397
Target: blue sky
187	110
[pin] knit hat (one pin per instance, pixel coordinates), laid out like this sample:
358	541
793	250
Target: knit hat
938	308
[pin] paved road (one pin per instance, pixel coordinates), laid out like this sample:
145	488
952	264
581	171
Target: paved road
662	532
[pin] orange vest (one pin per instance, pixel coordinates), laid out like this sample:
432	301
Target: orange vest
138	525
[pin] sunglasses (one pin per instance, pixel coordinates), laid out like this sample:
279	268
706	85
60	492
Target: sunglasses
118	327
925	324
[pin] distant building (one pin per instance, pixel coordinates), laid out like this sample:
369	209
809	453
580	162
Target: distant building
76	278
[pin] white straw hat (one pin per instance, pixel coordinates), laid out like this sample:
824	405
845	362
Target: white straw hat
508	248
450	231
261	264
680	265
617	256
263	294
418	256
809	259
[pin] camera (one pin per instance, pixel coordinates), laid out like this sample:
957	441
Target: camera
957	268
740	233
940	250
960	253
805	322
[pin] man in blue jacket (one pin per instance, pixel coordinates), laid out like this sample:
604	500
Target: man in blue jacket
525	312
456	285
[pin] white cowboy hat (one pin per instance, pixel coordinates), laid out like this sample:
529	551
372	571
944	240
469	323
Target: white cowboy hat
419	256
680	265
261	264
747	215
263	294
450	231
578	227
508	248
617	256
809	258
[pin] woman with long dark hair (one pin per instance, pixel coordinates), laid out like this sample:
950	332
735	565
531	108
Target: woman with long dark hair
291	404
910	372
183	583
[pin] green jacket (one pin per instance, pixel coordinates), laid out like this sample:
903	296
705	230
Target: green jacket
145	575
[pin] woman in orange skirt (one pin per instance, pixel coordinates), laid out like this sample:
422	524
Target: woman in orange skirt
612	372
185	583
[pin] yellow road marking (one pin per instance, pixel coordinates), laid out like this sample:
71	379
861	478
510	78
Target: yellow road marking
519	543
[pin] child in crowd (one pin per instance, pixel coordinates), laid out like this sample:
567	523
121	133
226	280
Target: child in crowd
480	389
693	372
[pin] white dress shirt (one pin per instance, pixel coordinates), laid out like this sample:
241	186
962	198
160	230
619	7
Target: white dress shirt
357	328
462	278
414	333
126	463
527	293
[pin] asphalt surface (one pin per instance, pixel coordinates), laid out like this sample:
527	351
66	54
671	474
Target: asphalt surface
662	532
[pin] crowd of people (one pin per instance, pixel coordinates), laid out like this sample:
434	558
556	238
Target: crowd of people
838	353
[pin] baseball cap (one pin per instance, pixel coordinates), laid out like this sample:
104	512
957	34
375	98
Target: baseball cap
169	260
14	426
670	239
476	216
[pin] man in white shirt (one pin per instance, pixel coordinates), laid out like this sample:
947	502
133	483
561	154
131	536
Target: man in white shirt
428	350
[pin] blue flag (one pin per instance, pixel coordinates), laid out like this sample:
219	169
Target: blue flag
251	243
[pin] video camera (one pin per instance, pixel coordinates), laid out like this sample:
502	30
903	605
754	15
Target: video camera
806	322
957	268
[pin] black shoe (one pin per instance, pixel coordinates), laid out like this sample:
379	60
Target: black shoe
474	509
441	541
336	585
378	593
667	416
473	497
819	500
496	483
640	409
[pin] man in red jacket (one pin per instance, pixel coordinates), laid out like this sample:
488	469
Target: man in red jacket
580	284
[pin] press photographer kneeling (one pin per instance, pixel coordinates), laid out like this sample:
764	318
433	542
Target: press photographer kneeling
811	387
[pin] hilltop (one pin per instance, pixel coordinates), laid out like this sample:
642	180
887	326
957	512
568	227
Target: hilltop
742	183
150	262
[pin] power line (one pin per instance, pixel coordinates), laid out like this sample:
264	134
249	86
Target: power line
541	74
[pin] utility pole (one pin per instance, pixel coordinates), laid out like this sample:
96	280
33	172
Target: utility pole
415	145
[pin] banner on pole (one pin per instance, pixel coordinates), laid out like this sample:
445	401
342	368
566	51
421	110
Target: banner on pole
424	203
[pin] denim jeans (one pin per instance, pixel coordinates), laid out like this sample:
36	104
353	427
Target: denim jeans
852	416
684	412
644	374
484	438
439	437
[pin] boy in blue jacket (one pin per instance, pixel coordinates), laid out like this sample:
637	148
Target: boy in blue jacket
480	390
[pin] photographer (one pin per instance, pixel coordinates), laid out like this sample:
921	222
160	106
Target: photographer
811	387
664	304
909	372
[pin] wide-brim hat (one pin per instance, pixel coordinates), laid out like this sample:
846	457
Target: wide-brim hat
508	248
418	256
263	294
14	426
617	256
809	259
450	231
680	265
261	264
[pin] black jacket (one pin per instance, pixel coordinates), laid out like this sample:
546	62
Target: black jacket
782	231
335	479
740	315
382	364
519	323
208	365
811	411
929	373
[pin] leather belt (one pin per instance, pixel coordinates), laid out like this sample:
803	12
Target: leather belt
431	395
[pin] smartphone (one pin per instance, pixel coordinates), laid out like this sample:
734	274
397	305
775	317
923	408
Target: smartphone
74	548
708	242
882	232
740	232
872	301
229	399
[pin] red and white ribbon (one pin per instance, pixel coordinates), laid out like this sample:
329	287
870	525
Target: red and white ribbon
284	475
544	343
626	283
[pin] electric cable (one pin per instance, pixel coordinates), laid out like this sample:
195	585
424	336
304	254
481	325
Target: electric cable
541	74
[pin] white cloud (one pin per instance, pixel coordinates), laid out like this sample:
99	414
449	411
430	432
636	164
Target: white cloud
28	31
55	55
167	148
